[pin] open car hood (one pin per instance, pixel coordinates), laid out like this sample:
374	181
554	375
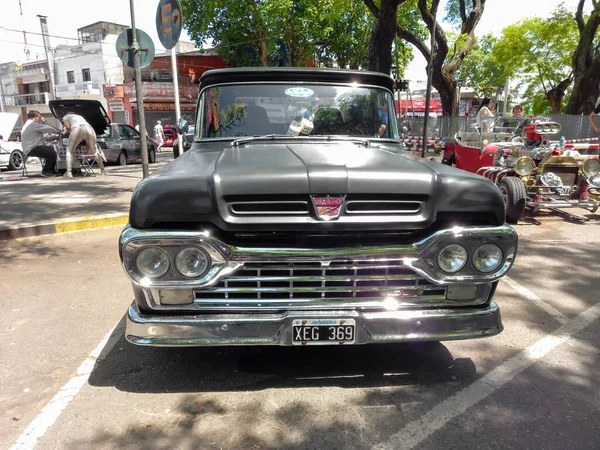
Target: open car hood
7	124
91	110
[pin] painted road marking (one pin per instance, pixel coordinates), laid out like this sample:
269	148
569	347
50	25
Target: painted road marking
524	292
46	418
417	431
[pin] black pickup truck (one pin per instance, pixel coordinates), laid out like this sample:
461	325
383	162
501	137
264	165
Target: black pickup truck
296	218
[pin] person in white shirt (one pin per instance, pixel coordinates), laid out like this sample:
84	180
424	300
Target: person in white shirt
485	117
79	131
159	135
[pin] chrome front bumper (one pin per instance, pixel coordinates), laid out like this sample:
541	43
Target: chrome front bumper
275	329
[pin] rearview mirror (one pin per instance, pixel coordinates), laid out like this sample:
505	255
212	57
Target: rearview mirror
182	126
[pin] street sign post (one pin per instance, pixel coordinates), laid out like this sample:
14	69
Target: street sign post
168	26
136	49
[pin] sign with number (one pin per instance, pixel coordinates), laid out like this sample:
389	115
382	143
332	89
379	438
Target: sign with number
168	22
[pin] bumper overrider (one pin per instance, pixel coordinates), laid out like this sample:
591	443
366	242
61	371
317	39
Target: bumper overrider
260	296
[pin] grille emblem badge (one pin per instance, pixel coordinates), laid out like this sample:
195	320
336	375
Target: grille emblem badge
328	208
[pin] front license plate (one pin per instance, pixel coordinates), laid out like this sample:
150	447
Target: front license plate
323	331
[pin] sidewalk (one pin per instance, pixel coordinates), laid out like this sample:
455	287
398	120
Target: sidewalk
37	205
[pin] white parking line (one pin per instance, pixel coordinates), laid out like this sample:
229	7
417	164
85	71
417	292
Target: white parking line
46	418
417	431
523	291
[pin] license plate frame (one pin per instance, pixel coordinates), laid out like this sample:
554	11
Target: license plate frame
323	331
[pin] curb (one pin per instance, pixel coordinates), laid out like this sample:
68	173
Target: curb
63	226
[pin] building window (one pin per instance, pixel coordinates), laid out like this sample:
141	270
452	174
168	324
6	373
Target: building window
86	75
70	76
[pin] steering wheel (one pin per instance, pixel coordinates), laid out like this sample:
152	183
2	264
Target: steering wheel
362	133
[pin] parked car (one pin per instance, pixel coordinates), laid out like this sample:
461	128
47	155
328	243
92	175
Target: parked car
120	143
270	233
170	135
531	171
188	138
11	153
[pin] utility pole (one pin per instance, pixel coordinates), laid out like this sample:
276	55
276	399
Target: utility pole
138	92
49	55
429	81
177	106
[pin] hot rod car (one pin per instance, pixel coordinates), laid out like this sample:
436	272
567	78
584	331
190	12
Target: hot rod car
296	218
530	171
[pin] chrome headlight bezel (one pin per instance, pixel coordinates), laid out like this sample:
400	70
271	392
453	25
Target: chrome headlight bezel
588	171
524	166
157	251
218	256
471	238
494	247
456	248
178	262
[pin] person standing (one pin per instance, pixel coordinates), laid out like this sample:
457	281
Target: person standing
33	141
159	135
485	116
81	130
592	117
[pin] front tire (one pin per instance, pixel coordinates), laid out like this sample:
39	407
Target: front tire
151	156
15	161
515	198
122	159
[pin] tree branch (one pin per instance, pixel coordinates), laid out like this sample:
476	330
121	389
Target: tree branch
579	16
463	11
372	7
414	40
440	35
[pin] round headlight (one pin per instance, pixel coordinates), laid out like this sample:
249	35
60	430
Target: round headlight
152	262
487	258
452	258
192	262
591	167
524	166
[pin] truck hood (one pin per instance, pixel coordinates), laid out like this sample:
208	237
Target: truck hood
196	186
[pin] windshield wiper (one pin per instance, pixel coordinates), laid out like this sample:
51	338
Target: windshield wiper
332	137
237	142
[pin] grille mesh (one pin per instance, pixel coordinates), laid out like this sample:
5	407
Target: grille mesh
340	279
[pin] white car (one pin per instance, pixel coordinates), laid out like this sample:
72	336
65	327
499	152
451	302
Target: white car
11	153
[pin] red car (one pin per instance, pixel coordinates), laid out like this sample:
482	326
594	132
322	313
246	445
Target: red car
170	135
530	170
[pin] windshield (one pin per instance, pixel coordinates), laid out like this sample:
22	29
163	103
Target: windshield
296	110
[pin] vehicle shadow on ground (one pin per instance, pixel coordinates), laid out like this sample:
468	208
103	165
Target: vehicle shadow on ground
580	218
138	369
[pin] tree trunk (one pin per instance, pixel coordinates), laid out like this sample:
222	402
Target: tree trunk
382	38
586	90
263	52
447	88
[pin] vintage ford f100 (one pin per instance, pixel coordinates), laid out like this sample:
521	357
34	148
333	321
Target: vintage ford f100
296	218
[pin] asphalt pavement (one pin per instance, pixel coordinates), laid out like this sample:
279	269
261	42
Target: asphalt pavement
33	205
69	380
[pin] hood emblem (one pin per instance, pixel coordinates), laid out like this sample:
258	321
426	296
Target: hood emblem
328	208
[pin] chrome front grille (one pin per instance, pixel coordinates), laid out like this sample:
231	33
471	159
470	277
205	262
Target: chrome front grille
336	284
567	174
301	205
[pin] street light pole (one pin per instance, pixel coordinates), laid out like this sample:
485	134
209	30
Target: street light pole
429	81
138	92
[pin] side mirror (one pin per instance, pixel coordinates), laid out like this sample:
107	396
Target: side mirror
405	127
182	126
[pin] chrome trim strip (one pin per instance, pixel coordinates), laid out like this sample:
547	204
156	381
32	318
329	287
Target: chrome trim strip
418	257
383	211
232	205
564	204
274	329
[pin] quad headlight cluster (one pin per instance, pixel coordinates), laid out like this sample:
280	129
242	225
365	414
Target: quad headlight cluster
486	258
155	262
